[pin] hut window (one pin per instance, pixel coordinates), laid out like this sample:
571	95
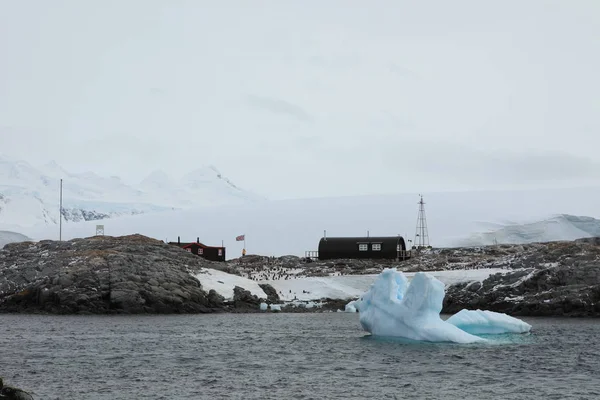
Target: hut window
376	246
188	249
200	251
363	247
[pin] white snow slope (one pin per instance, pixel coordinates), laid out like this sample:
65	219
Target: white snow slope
223	283
30	195
333	287
353	286
294	226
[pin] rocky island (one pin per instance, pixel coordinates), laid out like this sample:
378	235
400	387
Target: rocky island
137	274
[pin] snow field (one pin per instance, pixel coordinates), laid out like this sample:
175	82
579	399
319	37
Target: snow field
353	286
311	289
223	283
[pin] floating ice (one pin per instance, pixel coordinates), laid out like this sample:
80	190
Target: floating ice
395	308
479	322
275	307
350	307
263	306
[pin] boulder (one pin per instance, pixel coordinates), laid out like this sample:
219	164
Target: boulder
13	393
243	299
214	299
272	296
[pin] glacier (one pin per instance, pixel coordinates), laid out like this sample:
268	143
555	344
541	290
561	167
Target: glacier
393	307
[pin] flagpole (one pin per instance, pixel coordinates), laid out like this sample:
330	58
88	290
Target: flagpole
60	215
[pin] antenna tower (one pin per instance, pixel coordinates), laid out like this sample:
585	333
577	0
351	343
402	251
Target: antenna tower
421	234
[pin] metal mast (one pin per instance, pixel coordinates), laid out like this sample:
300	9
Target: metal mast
421	234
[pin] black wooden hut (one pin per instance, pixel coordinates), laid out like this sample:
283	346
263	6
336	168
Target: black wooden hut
380	247
212	253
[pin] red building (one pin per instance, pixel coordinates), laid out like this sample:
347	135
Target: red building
212	253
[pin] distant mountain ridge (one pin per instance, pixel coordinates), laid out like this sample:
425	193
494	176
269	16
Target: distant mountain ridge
11	237
30	195
558	227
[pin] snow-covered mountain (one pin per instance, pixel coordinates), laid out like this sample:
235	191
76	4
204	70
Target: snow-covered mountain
559	227
295	226
200	187
30	195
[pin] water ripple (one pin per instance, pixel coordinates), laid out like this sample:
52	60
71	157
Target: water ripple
287	356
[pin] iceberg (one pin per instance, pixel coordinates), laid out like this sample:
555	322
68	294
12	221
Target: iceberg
263	306
480	322
394	308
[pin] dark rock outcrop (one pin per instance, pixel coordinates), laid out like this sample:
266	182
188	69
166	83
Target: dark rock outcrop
244	300
561	279
334	304
215	299
102	274
13	393
272	296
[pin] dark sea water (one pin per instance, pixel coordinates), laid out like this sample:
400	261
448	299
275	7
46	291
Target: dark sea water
288	356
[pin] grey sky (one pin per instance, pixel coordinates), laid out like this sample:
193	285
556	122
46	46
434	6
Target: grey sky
310	98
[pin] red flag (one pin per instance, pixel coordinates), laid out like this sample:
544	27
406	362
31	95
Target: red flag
240	238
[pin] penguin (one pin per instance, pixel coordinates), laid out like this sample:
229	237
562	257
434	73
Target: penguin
11	393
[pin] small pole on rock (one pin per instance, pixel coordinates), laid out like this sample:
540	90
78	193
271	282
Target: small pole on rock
60	215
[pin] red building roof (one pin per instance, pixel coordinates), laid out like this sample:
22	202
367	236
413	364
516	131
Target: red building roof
202	245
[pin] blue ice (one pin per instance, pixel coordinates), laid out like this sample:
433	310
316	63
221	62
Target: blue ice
394	308
481	322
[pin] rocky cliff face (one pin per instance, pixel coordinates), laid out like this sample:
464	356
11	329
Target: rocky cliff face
103	274
557	279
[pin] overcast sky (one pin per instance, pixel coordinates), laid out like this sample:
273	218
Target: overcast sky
307	98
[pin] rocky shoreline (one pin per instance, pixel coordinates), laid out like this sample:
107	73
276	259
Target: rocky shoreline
102	275
562	279
136	274
118	275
